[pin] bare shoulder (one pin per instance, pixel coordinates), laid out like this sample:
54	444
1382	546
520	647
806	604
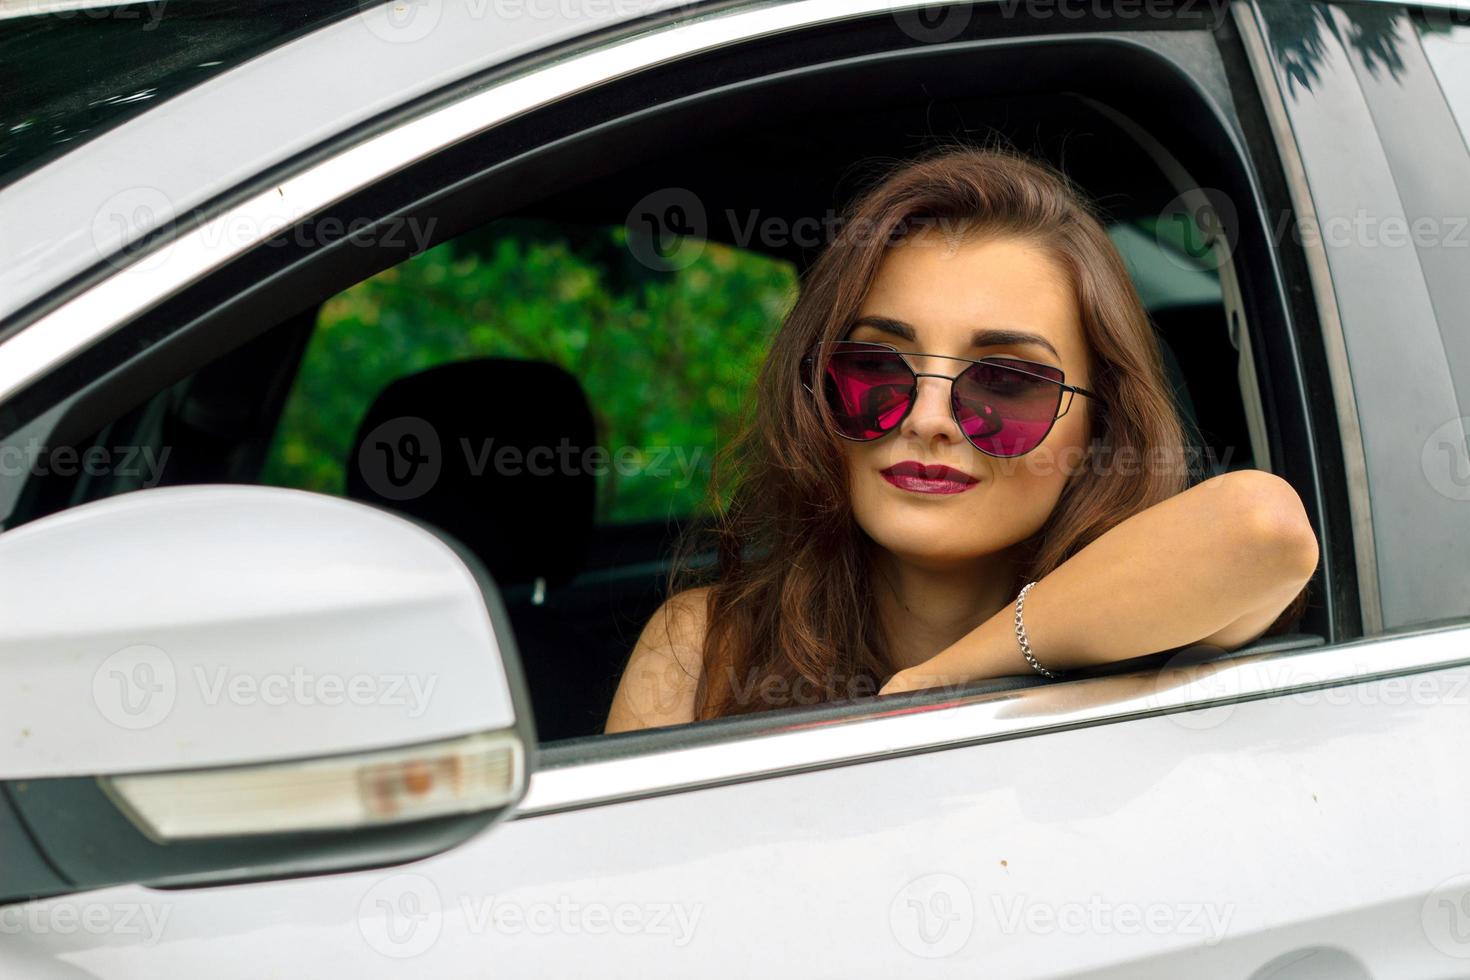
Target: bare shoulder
658	685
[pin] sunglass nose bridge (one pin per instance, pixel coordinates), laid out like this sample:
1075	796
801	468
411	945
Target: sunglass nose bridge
934	365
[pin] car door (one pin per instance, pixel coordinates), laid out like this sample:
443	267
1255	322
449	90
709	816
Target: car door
1293	810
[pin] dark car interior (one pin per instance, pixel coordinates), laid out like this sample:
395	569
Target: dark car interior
578	593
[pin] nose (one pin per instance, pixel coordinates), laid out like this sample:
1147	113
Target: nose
931	419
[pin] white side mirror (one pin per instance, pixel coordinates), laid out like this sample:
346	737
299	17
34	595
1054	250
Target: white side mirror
197	675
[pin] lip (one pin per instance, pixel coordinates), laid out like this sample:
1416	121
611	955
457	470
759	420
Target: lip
916	477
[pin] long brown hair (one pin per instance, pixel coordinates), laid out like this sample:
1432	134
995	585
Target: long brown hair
791	616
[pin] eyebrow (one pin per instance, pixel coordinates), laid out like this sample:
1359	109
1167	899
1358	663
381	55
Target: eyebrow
989	337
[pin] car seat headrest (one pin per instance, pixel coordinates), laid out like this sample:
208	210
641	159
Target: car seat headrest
492	451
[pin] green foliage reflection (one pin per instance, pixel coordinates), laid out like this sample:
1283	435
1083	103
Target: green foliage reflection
666	360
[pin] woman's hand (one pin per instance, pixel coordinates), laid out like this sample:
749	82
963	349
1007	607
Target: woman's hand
1215	564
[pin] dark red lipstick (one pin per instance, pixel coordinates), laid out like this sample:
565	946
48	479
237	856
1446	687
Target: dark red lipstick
916	477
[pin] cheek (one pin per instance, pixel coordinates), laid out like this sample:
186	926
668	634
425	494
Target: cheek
1024	492
1062	454
1026	489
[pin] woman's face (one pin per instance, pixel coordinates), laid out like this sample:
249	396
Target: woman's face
934	296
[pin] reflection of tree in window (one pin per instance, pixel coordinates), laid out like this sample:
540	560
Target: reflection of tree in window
665	358
1299	38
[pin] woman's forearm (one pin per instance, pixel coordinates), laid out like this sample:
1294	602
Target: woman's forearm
1215	563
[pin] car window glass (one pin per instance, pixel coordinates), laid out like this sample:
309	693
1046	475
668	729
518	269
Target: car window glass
664	358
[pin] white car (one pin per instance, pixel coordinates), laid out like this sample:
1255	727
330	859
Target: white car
303	677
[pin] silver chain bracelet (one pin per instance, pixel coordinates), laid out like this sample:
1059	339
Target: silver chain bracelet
1021	637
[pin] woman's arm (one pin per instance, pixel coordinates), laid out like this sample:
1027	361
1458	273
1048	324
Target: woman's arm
1214	564
658	685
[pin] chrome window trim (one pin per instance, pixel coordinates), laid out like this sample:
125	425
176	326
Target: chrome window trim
168	267
888	730
1355	462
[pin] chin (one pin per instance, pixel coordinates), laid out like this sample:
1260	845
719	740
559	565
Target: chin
931	542
938	532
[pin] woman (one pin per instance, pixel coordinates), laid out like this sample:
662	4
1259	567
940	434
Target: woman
967	398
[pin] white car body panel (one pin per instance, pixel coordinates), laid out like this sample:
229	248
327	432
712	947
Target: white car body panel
365	622
1130	850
